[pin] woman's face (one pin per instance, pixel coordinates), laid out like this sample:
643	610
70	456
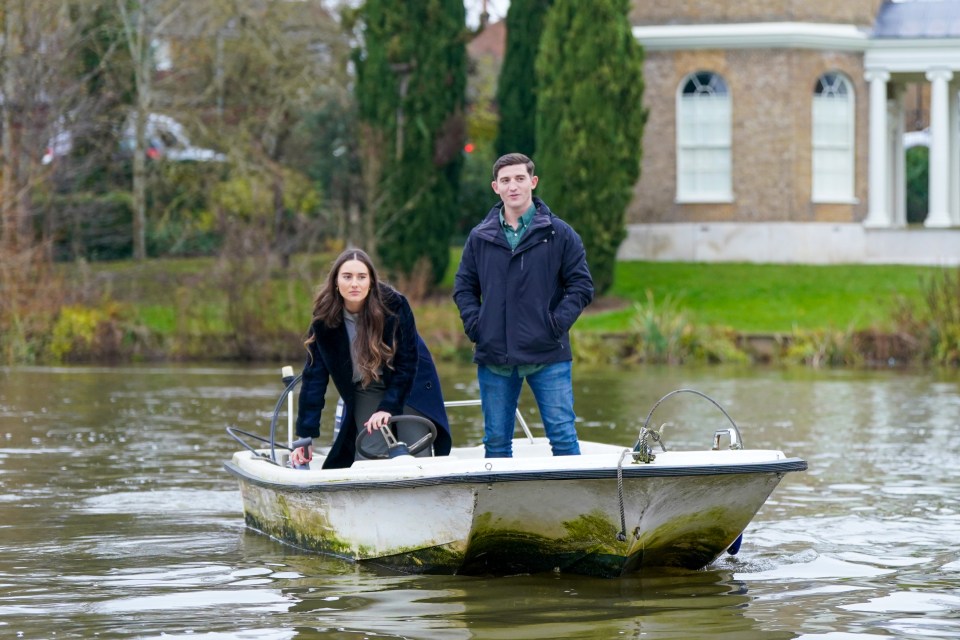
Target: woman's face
353	283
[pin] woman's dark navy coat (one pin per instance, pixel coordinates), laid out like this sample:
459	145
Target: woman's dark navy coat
411	381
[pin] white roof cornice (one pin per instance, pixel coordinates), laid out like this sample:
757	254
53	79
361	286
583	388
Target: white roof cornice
904	55
753	35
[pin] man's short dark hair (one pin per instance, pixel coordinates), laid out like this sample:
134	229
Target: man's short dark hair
511	159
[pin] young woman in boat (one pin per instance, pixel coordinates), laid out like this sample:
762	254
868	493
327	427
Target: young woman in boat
364	337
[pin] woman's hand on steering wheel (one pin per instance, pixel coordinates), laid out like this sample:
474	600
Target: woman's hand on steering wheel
377	420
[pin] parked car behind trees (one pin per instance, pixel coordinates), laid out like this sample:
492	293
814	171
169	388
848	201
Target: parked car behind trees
88	212
167	139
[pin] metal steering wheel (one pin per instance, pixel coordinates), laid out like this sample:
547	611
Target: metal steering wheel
363	447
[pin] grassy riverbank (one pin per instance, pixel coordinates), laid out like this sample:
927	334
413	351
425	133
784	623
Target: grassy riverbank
820	315
752	298
668	312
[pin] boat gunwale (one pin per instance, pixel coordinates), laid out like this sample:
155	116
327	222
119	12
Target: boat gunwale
785	465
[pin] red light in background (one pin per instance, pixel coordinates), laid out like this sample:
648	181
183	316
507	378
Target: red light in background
469	147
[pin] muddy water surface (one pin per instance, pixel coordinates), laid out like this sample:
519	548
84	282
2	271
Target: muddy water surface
117	519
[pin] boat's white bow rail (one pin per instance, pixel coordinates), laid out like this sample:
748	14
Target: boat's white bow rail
530	459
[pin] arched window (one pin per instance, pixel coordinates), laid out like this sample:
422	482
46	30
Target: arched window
703	139
833	150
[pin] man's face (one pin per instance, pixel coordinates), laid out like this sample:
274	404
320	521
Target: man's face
515	187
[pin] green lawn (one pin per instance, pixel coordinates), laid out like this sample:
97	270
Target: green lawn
752	298
748	298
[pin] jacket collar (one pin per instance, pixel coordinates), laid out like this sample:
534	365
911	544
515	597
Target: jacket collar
490	230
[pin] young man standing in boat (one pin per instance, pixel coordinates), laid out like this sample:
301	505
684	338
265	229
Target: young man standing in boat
522	283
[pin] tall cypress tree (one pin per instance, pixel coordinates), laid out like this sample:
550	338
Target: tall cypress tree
410	90
517	87
104	63
590	123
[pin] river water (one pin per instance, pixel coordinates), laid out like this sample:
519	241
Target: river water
117	519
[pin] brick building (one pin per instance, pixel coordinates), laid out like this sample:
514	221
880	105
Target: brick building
775	130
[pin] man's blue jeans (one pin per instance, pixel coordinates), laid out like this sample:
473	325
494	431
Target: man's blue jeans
552	386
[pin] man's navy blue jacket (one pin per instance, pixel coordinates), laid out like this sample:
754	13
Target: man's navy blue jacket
518	306
412	381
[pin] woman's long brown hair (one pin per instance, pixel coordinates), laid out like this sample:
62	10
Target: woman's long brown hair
372	351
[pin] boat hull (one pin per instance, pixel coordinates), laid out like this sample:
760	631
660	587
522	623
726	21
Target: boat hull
469	516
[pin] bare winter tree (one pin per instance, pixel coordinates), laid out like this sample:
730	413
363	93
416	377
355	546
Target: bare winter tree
275	63
144	21
43	89
40	90
249	77
35	38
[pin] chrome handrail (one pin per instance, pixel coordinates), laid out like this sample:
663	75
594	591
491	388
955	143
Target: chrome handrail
476	403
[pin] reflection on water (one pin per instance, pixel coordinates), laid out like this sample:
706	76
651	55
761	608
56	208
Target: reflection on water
117	519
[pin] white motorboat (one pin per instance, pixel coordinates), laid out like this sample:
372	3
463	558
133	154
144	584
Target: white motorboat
607	512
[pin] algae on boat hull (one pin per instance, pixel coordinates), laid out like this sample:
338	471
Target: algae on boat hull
590	547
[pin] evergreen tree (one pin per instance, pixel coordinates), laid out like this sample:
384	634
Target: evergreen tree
104	64
517	88
590	123
410	91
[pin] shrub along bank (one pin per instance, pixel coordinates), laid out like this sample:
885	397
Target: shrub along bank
205	309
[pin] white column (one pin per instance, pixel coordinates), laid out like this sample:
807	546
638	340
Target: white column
878	214
953	177
897	191
939	215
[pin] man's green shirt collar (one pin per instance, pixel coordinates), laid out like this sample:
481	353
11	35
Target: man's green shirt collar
513	235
